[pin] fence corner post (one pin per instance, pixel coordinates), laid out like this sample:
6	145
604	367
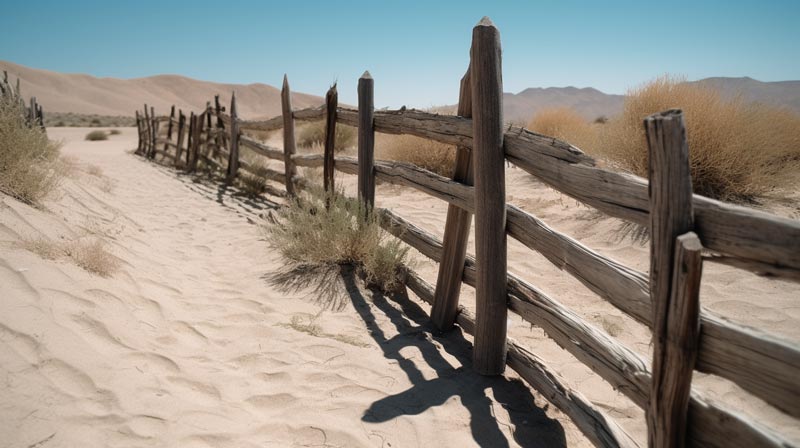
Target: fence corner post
456	231
675	271
331	103
366	140
288	136
486	84
233	156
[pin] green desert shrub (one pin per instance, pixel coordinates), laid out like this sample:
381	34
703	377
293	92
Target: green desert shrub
29	161
309	233
96	136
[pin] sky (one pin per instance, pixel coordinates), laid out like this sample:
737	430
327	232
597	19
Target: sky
416	51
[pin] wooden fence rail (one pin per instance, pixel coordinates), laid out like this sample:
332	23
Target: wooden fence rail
682	225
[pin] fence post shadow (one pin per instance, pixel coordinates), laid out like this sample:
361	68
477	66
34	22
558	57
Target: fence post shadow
530	425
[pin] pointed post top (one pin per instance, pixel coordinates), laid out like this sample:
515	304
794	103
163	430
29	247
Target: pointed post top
285	81
485	21
233	104
366	75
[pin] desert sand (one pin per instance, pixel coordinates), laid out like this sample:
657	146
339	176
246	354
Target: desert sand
203	338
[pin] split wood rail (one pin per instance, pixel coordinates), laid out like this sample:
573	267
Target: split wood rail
686	229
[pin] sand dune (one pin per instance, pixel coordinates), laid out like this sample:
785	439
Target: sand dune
85	94
203	338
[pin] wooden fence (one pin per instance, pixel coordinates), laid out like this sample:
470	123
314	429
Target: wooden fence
686	230
32	112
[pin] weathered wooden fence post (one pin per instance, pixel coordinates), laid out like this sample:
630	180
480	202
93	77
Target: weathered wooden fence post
366	140
154	136
489	355
288	136
233	156
192	154
221	138
181	137
169	128
147	132
675	271
456	231
139	132
331	103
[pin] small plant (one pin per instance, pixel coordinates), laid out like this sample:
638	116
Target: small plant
96	136
431	155
309	233
114	132
93	257
565	124
29	163
313	134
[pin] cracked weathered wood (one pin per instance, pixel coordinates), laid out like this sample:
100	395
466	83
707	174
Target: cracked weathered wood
260	148
366	141
288	135
456	230
169	126
331	103
233	157
489	354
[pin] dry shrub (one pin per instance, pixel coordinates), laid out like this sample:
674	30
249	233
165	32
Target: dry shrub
97	136
114	132
431	155
738	150
255	183
565	124
307	233
92	256
313	134
29	162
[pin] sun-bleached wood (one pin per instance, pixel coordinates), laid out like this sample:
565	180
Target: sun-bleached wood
288	135
456	230
596	425
311	113
331	103
366	141
154	134
147	132
670	216
615	363
180	137
260	148
489	354
169	126
233	158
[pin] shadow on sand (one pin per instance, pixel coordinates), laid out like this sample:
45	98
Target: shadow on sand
335	286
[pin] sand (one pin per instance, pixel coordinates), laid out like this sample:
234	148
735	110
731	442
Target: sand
196	340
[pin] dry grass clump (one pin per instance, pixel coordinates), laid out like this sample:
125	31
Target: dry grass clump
114	132
738	150
90	255
309	234
70	119
29	162
255	183
313	134
565	124
433	156
97	136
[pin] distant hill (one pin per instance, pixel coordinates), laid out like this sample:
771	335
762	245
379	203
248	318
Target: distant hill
85	94
592	103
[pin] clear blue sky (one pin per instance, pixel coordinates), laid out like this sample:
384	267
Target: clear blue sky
415	50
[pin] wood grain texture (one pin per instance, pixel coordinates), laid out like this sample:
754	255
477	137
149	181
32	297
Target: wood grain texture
260	148
366	140
490	199
331	103
288	136
670	216
456	230
233	158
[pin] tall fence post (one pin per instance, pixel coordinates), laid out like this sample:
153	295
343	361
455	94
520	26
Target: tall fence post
489	355
366	140
154	136
288	136
675	270
139	132
192	155
233	156
169	128
221	139
456	231
331	103
180	138
148	139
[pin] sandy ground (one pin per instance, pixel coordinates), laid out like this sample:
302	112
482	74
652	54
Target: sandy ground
202	338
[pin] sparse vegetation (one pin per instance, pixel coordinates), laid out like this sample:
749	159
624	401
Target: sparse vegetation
89	254
114	132
308	233
313	134
738	150
29	161
96	136
69	119
565	124
433	156
254	184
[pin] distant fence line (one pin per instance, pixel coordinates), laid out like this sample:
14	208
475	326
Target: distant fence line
33	112
682	226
